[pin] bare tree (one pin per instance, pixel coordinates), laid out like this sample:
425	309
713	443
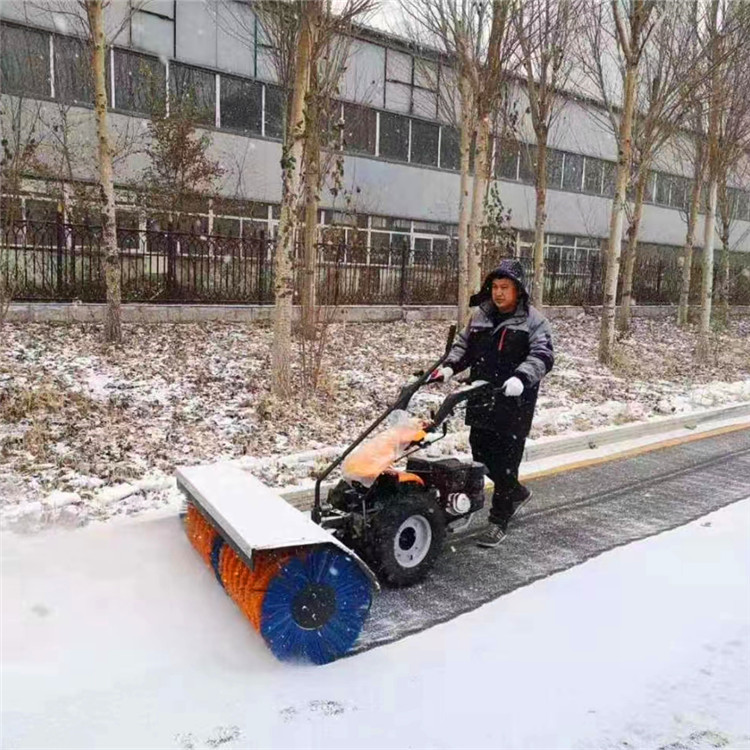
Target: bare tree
544	29
665	96
727	210
88	18
98	42
309	44
698	145
478	39
323	139
726	35
617	32
21	134
729	37
299	22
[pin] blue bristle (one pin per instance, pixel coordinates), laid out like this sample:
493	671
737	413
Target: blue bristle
215	556
326	566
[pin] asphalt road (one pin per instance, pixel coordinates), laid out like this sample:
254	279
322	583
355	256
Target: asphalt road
572	517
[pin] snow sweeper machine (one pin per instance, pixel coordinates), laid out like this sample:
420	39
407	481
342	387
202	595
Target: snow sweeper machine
306	583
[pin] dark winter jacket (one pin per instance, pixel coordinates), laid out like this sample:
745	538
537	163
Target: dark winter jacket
498	347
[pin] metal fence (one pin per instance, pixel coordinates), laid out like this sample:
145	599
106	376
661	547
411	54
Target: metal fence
59	261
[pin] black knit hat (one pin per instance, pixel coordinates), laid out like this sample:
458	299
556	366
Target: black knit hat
509	268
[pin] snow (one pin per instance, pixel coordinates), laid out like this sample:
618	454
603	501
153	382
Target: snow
77	416
131	643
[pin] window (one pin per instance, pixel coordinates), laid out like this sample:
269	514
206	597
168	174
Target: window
743	206
450	149
380	243
440	247
507	161
139	82
11	211
73	84
592	179
610	179
527	171
394	136
648	193
194	91
226	227
554	168
678	197
424	143
422	249
360	126
128	236
40	211
573	172
241	105
275	105
661	188
24	62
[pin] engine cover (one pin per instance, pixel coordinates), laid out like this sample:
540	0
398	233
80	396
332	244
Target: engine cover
452	478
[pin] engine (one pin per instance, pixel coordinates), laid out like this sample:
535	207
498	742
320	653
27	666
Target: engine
460	483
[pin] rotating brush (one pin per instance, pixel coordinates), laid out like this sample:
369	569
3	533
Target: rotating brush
309	603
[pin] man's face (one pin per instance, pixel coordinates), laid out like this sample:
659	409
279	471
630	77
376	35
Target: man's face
504	295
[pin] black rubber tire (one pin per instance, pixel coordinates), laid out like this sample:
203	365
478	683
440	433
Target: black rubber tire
385	526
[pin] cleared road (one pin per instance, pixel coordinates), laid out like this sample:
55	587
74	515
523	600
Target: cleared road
573	516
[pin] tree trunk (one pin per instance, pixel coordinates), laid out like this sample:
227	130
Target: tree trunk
113	321
291	166
623	319
724	276
707	282
464	202
704	329
687	252
607	333
540	220
312	188
478	194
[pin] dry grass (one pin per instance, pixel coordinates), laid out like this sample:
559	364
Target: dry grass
18	404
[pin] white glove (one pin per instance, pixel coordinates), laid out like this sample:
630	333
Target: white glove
442	374
513	386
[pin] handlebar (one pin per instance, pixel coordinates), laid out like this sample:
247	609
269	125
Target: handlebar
401	403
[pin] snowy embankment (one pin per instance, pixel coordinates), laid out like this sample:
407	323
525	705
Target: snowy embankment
646	646
88	432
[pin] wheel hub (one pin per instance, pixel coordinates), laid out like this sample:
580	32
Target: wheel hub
314	606
412	541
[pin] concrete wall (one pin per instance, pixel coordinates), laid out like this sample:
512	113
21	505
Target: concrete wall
61	312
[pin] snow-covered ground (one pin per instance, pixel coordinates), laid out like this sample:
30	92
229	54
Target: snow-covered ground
118	636
88	432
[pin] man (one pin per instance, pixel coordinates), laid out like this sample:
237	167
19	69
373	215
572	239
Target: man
509	344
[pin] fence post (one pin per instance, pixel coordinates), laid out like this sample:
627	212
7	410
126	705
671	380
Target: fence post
659	272
404	254
554	264
171	262
60	230
340	254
